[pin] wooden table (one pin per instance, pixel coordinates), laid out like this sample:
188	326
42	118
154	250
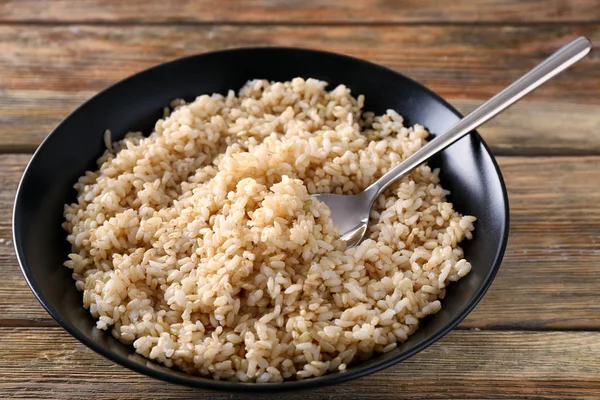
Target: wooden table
537	331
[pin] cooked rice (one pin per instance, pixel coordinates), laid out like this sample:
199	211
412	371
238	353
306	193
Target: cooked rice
201	246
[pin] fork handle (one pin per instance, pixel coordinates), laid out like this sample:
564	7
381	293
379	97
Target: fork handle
552	66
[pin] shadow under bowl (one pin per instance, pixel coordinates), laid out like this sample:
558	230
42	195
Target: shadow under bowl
468	170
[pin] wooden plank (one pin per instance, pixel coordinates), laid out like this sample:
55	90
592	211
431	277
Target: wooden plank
538	127
46	71
465	364
309	11
457	61
532	127
548	279
17	303
549	273
27	116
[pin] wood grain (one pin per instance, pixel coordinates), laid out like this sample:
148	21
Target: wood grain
540	320
548	274
46	71
548	279
538	127
308	11
468	365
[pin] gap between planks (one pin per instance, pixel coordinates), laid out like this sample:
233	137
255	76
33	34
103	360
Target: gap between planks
267	23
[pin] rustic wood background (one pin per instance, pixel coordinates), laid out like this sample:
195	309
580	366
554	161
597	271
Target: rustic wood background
536	333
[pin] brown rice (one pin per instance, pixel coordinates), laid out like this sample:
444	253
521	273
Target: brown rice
201	246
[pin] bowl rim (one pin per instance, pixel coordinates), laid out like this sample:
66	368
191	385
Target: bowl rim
198	381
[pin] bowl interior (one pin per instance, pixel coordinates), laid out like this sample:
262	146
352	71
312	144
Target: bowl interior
468	170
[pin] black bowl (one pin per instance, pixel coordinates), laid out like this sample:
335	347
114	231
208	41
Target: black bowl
468	170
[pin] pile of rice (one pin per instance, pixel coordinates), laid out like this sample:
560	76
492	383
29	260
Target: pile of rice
201	246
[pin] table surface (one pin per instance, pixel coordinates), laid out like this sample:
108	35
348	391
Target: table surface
537	331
